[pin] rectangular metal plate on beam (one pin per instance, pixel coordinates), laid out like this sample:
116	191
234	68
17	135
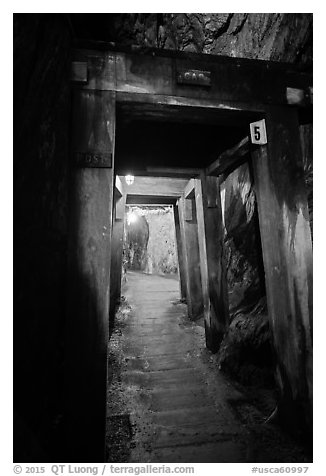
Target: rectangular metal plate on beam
194	77
93	159
258	132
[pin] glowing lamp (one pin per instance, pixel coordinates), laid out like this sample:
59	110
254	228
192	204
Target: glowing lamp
130	179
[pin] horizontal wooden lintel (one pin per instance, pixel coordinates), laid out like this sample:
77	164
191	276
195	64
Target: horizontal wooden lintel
173	172
150	200
156	186
243	81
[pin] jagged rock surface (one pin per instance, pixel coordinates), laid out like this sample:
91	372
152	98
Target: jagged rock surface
275	36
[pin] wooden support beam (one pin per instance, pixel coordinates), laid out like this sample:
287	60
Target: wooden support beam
181	258
190	251
213	271
119	208
150	200
230	158
79	72
156	186
173	172
189	190
116	255
204	104
157	73
287	254
89	277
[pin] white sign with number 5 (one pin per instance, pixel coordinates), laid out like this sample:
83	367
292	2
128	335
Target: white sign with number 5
258	132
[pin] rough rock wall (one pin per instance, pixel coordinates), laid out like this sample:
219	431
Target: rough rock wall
150	242
245	269
307	150
41	146
276	36
246	350
161	249
135	246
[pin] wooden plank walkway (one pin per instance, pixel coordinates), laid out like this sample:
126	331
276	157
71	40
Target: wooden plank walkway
166	387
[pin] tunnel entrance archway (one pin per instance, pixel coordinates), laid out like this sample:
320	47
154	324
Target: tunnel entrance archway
162	84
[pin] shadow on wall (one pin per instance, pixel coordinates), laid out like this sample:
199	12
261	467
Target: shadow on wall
42	45
59	416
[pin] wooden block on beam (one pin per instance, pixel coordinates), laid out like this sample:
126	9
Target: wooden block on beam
295	96
100	69
299	97
79	71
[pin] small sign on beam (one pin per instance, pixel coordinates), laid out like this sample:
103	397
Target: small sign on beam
258	132
94	159
194	77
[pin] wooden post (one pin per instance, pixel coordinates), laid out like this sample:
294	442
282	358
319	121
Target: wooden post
89	274
287	253
213	273
116	253
181	259
189	237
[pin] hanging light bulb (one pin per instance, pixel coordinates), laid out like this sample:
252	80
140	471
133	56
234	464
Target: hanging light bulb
129	179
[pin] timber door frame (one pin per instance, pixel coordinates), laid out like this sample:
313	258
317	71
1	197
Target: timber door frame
155	79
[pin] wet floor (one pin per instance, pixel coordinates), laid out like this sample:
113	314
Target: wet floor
167	400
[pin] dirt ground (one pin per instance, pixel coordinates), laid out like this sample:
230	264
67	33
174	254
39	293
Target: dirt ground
167	401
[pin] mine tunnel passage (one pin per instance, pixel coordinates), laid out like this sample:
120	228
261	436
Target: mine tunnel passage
101	113
167	400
